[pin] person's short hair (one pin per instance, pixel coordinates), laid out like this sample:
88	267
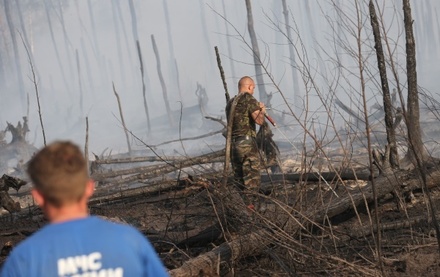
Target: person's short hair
244	80
59	173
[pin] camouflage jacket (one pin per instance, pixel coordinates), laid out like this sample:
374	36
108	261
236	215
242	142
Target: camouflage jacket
243	123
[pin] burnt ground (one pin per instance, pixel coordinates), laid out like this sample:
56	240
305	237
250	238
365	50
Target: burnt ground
333	248
182	218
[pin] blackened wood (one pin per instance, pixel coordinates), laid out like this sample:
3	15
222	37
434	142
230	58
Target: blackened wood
162	82
393	159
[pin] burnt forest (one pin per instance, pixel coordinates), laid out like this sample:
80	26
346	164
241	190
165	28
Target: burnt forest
350	151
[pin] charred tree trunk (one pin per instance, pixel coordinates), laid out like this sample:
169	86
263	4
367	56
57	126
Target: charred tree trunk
66	39
296	94
87	66
173	62
387	105
94	34
16	52
120	19
143	85
134	27
118	43
256	54
37	93
121	114
81	94
416	150
55	46
2	71
23	29
162	83
228	40
203	24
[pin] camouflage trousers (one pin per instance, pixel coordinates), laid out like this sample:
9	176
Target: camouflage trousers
246	163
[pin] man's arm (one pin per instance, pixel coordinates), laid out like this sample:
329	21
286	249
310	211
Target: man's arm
258	115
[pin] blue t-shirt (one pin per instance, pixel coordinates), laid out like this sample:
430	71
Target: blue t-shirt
85	247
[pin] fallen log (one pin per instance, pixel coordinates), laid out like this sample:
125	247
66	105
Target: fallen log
292	221
315	176
367	230
202	238
112	194
157	170
140	159
209	264
171	164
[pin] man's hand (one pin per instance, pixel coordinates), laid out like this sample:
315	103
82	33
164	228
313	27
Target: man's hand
262	107
258	115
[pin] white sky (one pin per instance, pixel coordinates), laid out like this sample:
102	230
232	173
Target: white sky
196	28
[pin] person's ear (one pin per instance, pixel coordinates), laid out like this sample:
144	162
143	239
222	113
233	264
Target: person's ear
38	197
90	188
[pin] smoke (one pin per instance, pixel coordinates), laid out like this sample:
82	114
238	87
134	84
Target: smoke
79	48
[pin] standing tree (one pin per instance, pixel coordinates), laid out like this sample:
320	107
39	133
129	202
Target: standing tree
387	105
16	52
162	82
416	150
417	154
292	53
256	54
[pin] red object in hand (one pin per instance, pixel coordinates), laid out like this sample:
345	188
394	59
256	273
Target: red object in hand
270	119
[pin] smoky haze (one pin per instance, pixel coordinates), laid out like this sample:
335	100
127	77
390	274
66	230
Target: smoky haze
79	49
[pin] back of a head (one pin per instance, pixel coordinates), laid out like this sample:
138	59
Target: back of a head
59	172
244	81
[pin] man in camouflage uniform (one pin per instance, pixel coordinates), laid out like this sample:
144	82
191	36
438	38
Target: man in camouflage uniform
246	112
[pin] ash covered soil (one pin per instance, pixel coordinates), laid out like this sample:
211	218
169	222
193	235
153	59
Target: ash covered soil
182	223
169	218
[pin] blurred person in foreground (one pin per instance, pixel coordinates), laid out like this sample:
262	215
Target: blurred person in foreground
246	112
75	243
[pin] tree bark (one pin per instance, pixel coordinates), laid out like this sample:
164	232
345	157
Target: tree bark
55	46
174	70
66	38
256	54
387	104
16	52
296	93
118	40
416	153
143	85
121	114
162	82
145	172
416	150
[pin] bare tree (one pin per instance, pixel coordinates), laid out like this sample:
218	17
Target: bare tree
16	52
416	150
256	54
292	53
162	82
387	105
